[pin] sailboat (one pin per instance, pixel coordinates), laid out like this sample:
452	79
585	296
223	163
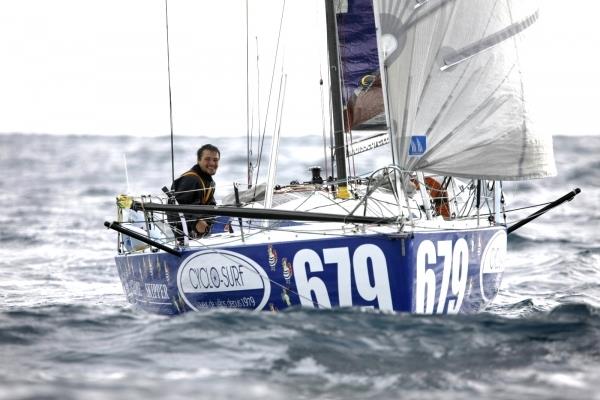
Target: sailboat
426	234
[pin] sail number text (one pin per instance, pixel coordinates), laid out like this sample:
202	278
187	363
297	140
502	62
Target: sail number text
367	264
441	270
430	299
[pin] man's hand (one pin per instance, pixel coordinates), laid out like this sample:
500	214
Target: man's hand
201	226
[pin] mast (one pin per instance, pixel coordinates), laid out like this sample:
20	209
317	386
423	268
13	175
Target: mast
336	97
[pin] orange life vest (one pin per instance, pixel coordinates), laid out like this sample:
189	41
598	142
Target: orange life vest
439	196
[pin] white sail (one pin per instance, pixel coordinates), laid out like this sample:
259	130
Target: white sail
455	98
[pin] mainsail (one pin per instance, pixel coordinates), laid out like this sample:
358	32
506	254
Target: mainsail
455	96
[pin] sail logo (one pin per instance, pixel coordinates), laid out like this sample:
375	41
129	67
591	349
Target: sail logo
418	145
222	278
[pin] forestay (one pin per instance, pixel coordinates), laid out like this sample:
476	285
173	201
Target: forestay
454	88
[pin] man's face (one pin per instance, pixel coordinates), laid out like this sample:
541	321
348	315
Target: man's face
209	162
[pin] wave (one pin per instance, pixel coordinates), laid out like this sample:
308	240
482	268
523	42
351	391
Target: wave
297	353
346	324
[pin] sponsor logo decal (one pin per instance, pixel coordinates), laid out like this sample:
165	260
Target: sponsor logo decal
367	144
492	265
222	279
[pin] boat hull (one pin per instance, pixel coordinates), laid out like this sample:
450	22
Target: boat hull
434	272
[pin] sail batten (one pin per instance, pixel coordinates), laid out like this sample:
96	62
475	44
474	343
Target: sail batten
487	43
452	75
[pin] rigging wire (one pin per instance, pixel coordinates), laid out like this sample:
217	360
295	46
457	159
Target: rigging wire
170	97
248	150
323	127
269	97
272	171
323	123
281	101
155	218
126	173
254	114
257	93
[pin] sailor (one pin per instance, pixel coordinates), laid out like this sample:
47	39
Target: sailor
197	186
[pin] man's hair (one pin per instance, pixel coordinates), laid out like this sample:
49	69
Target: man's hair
208	147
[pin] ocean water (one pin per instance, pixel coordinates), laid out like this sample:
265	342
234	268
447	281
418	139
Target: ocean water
67	332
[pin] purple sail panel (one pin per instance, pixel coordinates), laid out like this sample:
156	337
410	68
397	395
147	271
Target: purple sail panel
360	65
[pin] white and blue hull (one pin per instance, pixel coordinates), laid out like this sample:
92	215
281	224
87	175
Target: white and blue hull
430	272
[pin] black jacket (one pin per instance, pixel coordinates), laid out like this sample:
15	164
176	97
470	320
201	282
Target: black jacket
193	187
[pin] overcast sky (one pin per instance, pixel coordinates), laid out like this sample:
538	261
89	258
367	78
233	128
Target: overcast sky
100	66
